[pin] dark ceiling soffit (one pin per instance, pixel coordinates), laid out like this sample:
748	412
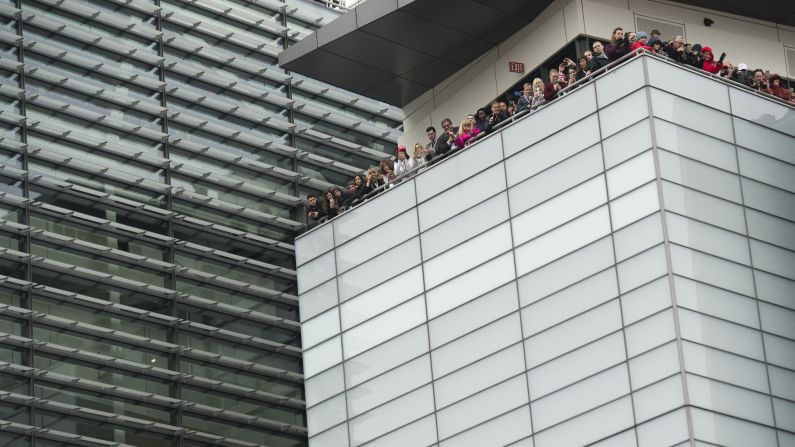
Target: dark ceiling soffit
396	50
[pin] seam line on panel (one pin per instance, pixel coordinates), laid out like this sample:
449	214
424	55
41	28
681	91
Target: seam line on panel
419	265
713	196
504	317
516	284
727	260
342	347
742	387
574	122
615	256
427	318
668	257
733	232
556	390
725	171
741	356
736	417
364	261
710	136
760	125
485	168
753	272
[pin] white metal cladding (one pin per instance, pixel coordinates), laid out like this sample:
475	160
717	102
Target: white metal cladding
615	269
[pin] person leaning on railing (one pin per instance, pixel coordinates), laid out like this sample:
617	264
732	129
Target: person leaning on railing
600	59
466	133
776	89
618	46
676	50
404	163
497	116
555	85
526	99
314	210
378	178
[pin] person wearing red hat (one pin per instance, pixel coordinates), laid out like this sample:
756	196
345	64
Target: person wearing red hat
404	163
710	64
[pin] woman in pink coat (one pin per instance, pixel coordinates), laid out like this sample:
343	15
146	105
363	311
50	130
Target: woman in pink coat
466	132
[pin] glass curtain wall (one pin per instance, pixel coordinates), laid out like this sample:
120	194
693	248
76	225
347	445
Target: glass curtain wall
153	164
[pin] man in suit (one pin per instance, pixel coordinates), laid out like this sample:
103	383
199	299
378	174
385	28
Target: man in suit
445	141
526	99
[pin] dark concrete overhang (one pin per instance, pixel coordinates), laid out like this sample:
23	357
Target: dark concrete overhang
777	11
396	50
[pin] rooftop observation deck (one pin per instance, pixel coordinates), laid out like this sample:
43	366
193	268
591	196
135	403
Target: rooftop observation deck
475	292
675	78
396	50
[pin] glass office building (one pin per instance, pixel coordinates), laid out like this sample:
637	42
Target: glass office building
153	162
615	269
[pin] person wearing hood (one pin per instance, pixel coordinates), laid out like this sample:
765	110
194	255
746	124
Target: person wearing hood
709	64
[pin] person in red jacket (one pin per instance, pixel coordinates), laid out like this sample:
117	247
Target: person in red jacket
640	42
776	89
710	64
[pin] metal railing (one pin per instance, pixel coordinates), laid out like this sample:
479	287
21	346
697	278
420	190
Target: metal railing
422	167
340	5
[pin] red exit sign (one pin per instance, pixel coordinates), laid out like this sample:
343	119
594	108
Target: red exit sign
515	67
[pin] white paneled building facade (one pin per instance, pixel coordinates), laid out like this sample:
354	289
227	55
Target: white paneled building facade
616	269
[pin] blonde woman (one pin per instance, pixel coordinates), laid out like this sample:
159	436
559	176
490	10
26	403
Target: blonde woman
466	133
421	155
538	94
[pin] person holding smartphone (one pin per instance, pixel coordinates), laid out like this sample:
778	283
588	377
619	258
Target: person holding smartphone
538	94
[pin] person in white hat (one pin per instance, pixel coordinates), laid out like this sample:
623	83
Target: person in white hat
741	75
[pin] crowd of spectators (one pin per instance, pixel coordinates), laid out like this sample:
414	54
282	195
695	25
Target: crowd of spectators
534	94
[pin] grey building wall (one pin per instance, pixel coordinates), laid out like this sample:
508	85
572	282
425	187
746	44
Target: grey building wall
616	269
153	163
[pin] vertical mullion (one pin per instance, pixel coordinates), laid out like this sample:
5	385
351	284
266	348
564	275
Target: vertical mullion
171	281
26	299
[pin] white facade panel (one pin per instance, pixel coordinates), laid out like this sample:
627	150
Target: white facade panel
628	289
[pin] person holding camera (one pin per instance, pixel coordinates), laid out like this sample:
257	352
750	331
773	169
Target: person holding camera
497	116
618	46
314	209
566	67
709	64
445	141
538	94
676	50
758	81
695	57
555	85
